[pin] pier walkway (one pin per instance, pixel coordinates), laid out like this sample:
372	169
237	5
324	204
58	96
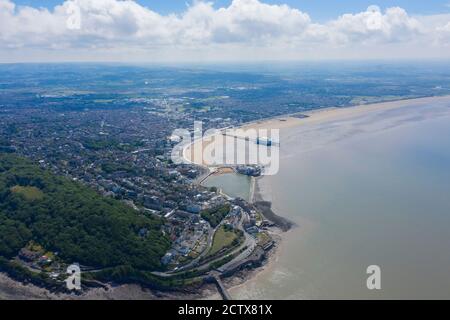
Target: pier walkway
222	290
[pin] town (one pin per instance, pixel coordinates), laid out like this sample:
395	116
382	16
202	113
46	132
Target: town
125	154
109	128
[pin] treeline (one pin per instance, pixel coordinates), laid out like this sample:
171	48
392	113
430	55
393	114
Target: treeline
24	275
128	274
74	221
101	144
215	215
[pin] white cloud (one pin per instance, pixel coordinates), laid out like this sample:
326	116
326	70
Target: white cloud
443	35
246	20
445	28
375	26
240	30
243	20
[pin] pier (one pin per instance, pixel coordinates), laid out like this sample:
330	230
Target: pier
220	287
264	141
222	290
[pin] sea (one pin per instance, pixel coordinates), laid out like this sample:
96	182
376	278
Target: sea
371	189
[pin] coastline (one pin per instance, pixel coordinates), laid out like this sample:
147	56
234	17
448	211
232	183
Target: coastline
11	289
265	206
335	113
289	121
192	153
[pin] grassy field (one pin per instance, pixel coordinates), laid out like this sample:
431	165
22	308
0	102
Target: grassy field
222	239
29	193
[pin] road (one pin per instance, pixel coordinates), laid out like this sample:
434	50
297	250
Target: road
250	243
194	262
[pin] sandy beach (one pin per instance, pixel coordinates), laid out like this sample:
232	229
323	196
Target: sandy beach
193	153
321	115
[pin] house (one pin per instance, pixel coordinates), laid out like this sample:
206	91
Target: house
167	258
153	202
193	208
28	255
235	211
252	230
174	173
184	250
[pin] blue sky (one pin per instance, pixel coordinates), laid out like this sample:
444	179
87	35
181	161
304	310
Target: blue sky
116	30
320	10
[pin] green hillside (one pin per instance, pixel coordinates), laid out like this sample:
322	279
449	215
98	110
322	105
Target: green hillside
66	217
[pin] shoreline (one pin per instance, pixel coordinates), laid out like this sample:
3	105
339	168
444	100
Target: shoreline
285	121
293	120
289	121
265	206
335	113
13	289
